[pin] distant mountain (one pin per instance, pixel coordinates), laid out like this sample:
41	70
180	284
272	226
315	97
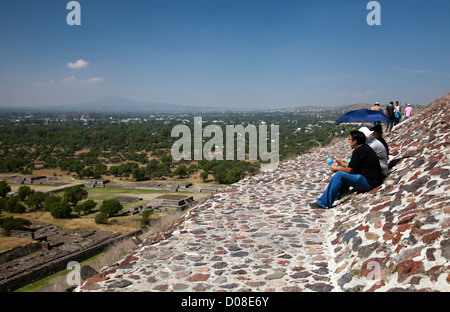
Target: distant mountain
314	108
347	108
114	104
118	104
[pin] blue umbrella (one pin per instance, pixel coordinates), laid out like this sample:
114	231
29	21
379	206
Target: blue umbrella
362	115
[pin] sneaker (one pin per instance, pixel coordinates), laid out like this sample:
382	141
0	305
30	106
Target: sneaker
316	206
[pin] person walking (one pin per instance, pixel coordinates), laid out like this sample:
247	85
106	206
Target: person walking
363	173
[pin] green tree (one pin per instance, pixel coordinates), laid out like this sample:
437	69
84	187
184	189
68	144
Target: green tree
10	223
50	199
61	210
101	218
24	191
111	207
204	175
35	200
85	207
13	206
145	220
181	171
139	174
4	188
75	194
234	175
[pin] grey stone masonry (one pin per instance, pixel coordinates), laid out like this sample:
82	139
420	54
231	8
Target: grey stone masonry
261	235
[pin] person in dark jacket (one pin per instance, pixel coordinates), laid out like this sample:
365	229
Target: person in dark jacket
363	173
390	113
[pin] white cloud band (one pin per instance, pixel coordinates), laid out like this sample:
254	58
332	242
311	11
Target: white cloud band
78	64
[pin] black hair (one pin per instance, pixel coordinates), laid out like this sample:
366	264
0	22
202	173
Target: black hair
377	129
358	136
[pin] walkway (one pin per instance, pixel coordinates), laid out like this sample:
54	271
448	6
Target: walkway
258	235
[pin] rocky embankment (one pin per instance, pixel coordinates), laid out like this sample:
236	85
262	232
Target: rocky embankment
260	234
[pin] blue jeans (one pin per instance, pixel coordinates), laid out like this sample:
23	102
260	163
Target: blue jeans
340	183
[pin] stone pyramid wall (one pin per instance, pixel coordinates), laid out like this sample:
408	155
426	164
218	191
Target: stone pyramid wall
260	234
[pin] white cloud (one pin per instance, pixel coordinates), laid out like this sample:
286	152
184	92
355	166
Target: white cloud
68	81
93	80
78	64
72	80
419	71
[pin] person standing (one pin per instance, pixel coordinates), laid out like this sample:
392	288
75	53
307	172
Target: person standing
376	107
408	111
397	113
363	173
389	112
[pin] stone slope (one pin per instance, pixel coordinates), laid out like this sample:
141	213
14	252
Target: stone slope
397	236
260	234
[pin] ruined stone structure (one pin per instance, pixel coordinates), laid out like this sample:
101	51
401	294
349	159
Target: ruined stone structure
167	202
261	235
52	250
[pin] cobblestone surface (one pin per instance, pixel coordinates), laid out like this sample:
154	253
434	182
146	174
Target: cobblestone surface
261	235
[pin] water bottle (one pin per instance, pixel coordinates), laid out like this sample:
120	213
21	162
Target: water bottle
329	160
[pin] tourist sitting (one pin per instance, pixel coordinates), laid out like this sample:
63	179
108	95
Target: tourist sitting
378	147
363	173
378	134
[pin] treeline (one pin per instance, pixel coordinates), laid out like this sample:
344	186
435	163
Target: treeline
140	148
72	201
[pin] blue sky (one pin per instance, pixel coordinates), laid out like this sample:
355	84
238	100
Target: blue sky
229	53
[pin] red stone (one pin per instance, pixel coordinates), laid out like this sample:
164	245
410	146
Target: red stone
375	190
198	277
408	268
406	219
369	266
388	226
388	235
162	287
379	207
376	286
428	239
404	227
364	228
283	262
434	272
399	247
128	260
179	257
397	238
414	177
378	224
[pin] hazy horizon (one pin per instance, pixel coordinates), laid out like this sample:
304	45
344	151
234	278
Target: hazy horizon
238	54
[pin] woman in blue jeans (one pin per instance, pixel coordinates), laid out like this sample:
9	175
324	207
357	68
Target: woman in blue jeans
362	173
